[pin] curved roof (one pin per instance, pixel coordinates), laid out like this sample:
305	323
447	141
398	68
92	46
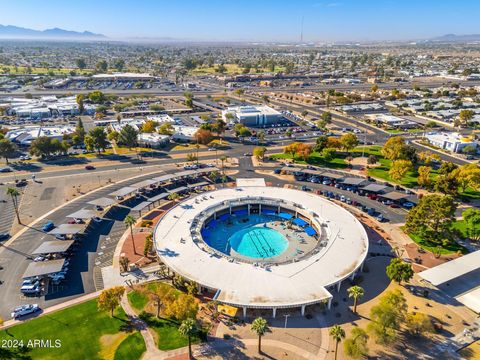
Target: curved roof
243	284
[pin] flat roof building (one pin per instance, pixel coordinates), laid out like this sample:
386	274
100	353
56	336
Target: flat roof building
453	142
253	115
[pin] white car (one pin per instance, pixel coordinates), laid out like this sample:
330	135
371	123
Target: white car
25	310
29	282
31	289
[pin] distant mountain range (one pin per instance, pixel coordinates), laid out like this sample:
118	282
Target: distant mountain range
15	32
457	38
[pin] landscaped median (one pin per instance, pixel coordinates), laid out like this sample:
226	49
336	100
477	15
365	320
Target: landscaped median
78	332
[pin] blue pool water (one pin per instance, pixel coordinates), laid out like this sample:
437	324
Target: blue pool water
249	236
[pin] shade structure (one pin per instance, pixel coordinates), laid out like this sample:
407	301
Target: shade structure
285	215
178	190
103	201
163	178
203	183
42	268
144	184
333	176
123	191
310	231
300	222
374	188
82	214
67	229
53	247
355	181
142	206
159	197
395	195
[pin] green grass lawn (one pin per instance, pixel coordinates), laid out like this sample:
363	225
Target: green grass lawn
450	248
139	299
132	348
464	231
79	328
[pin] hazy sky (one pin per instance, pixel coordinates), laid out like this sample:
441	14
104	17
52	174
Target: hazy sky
252	20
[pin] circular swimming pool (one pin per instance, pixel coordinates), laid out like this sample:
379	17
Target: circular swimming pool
258	242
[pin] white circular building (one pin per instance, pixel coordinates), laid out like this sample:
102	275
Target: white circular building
262	247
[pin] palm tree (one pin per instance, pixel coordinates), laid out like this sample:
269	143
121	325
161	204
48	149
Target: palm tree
14	194
130	221
260	327
338	334
355	292
188	328
224	180
223	159
173	197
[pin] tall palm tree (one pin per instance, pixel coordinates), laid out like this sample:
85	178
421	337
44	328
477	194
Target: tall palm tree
338	334
130	221
355	292
260	327
223	159
188	328
14	194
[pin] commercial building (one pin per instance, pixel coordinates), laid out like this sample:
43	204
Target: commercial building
25	136
123	77
453	142
253	115
391	121
153	140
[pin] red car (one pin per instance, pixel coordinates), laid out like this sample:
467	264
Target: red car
89	167
394	206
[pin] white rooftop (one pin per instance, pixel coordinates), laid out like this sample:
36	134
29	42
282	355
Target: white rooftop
251	182
243	284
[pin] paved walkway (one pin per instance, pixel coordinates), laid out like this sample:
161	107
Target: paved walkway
152	351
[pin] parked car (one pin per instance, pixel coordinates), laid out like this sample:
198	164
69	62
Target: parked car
48	226
31	289
24	310
408	205
5	169
89	167
4	236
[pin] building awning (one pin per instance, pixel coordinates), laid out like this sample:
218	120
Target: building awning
141	206
42	268
83	214
300	222
332	176
53	247
159	197
355	181
374	188
310	231
143	184
452	269
123	191
67	229
285	216
103	201
394	195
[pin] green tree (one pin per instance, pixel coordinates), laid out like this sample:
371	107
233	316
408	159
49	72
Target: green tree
355	292
102	66
119	64
81	63
349	141
337	333
7	149
432	217
14	194
98	138
395	148
188	328
109	299
372	160
418	323
260	327
166	129
173	197
466	115
259	152
471	216
387	317
79	134
321	143
424	176
130	221
355	346
97	97
327	117
398	270
399	169
128	136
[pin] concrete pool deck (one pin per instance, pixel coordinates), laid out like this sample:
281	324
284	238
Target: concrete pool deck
292	284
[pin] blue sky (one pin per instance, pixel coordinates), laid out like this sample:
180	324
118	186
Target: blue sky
252	20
